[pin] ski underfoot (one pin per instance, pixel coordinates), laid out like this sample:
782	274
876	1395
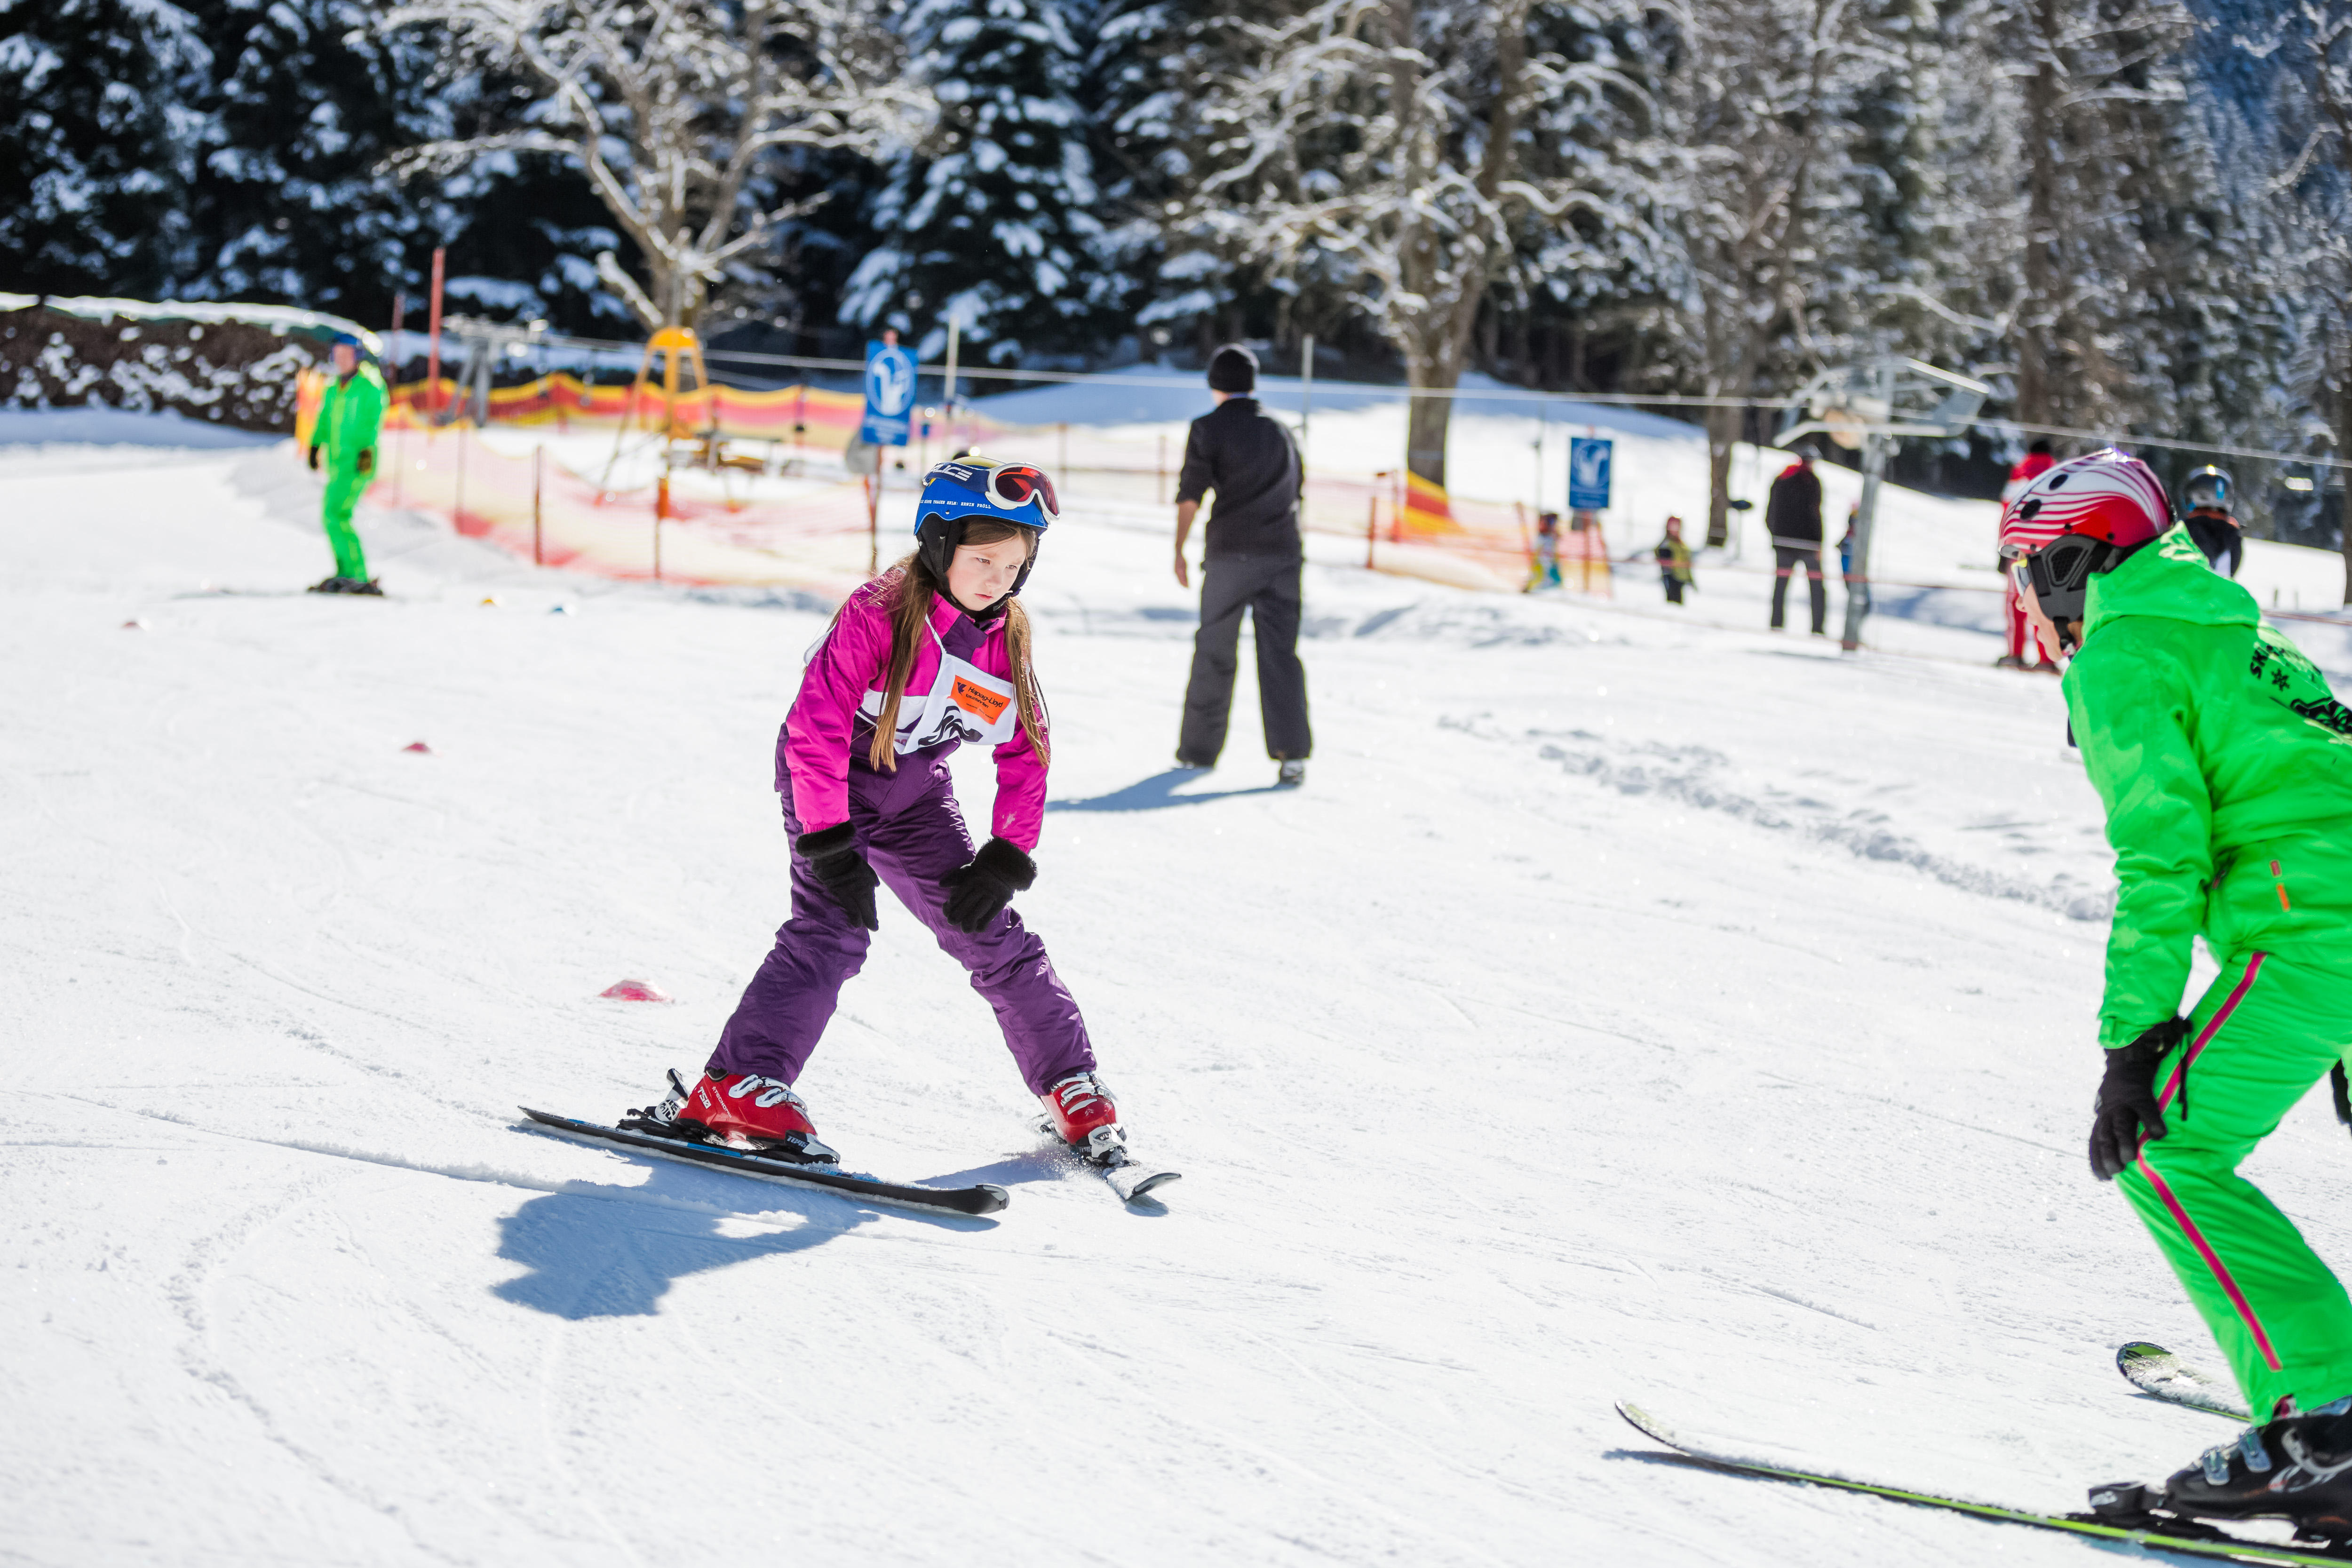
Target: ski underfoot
2150	1531
985	1198
2160	1374
1127	1176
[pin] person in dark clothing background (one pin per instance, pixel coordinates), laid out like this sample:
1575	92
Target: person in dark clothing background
1792	515
2211	523
1251	561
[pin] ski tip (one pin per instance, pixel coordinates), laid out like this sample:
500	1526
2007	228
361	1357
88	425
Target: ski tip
2138	1354
1645	1423
991	1198
1153	1182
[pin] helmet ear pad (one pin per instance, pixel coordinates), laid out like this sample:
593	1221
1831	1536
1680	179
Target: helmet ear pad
938	538
2062	572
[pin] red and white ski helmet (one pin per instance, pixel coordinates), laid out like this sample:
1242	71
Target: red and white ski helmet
2109	496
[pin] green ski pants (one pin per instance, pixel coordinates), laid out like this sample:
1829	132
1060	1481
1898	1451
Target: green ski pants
345	485
2264	1032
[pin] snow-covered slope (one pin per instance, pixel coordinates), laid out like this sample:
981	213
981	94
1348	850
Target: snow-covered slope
1628	1006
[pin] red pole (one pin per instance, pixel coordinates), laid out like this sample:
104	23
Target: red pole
1371	527
433	349
537	455
661	510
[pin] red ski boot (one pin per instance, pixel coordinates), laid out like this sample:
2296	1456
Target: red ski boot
1083	1115
745	1111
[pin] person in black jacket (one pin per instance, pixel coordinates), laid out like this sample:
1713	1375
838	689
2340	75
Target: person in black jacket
1792	515
1251	561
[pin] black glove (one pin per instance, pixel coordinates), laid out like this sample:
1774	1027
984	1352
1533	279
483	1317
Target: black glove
2126	1114
2341	1092
366	464
978	891
314	456
832	854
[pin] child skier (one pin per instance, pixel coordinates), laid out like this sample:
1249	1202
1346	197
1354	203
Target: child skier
931	654
1674	562
1543	566
2225	767
349	420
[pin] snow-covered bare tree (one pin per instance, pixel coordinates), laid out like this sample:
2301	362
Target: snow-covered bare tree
677	112
2099	95
1752	183
1402	144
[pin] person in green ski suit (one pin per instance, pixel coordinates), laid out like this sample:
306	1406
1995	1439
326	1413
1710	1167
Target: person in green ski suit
2225	766
348	418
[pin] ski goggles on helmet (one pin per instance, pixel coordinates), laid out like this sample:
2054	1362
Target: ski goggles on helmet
1016	484
1006	487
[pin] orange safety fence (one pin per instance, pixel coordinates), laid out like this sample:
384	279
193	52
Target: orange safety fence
1408	525
685	529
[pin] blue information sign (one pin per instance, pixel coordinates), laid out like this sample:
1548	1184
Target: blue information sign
889	395
1588	474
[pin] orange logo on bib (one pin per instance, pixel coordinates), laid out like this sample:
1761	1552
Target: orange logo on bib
978	701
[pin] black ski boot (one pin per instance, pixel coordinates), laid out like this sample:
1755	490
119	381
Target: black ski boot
2296	1467
330	585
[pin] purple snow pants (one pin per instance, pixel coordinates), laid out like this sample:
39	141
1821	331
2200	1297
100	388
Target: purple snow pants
911	832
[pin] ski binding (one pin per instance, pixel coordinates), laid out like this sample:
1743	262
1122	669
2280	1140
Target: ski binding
806	1164
2121	1513
1106	1152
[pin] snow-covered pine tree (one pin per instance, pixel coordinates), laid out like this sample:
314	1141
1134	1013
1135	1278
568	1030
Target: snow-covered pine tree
992	222
285	202
97	141
2277	80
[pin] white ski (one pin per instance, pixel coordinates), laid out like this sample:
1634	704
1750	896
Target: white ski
1109	1158
2160	1374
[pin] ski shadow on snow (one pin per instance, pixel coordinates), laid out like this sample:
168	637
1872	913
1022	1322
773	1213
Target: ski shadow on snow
591	1255
1156	794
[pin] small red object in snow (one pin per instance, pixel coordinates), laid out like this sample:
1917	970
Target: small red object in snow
417	746
635	991
134	626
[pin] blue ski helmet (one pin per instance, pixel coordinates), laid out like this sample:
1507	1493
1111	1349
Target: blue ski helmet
969	489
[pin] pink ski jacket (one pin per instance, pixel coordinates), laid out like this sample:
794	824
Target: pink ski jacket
824	739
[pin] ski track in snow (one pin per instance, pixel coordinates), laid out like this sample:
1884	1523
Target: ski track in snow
1634	1003
1698	776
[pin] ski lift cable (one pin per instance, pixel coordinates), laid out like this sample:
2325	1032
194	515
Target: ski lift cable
1619	399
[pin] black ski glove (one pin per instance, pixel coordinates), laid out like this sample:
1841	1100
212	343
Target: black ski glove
2126	1114
832	854
978	891
314	456
2341	1092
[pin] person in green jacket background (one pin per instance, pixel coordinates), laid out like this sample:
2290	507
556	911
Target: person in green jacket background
349	420
2225	765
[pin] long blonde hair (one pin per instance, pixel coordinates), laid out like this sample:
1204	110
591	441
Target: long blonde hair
912	588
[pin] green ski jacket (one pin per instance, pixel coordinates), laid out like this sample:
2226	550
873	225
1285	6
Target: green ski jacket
351	414
2225	764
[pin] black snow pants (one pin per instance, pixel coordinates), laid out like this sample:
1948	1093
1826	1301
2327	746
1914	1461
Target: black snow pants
1267	587
1785	560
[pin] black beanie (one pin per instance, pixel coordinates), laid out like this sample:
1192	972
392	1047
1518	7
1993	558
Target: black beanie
1234	369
